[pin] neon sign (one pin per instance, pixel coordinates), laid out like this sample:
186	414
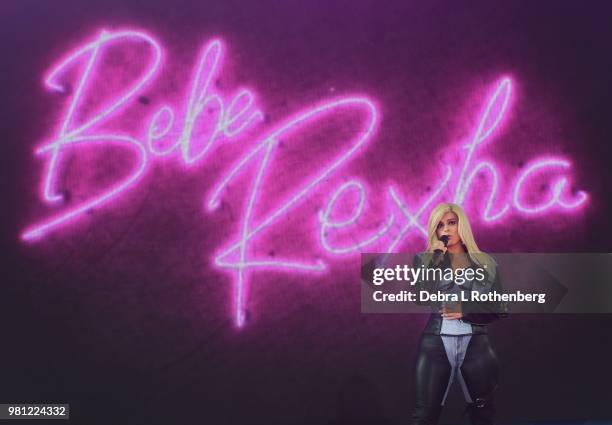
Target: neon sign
230	117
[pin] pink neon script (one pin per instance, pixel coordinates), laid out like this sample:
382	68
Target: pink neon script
189	135
230	121
263	151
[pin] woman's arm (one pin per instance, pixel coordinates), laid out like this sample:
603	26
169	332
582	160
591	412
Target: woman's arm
484	312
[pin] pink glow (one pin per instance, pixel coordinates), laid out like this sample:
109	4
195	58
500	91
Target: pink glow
161	123
413	219
492	194
229	121
41	229
237	111
177	131
492	117
267	145
65	133
540	166
207	69
240	115
327	223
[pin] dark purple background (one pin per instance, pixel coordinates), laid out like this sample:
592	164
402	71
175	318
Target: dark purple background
126	318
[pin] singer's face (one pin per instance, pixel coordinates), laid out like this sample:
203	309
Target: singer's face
449	225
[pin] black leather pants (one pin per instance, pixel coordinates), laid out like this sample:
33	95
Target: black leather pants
479	369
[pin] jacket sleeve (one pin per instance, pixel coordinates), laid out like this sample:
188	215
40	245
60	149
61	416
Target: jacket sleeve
484	312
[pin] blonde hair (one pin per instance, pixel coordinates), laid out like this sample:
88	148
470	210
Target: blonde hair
463	228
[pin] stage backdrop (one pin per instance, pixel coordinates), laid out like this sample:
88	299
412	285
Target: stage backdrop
188	186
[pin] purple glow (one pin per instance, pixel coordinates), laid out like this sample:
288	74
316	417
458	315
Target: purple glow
67	135
207	69
413	219
327	223
495	111
228	118
540	166
268	144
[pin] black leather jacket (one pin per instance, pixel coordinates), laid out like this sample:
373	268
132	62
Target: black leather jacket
478	314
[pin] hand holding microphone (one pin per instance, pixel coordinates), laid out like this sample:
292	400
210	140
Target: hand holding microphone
439	248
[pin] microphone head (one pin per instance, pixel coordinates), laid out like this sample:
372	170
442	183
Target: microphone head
444	239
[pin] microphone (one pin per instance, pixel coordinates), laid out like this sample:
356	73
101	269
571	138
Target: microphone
438	256
444	239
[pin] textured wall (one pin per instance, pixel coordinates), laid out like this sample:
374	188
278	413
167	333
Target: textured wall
125	306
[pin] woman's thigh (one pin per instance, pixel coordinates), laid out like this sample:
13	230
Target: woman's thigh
480	367
432	370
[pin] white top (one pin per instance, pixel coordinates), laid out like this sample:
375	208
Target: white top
455	327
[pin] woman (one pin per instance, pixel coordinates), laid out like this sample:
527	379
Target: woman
455	342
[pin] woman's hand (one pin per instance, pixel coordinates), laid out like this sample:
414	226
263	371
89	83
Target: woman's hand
438	244
451	314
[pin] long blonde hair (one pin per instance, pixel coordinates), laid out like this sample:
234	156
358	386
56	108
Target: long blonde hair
465	233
